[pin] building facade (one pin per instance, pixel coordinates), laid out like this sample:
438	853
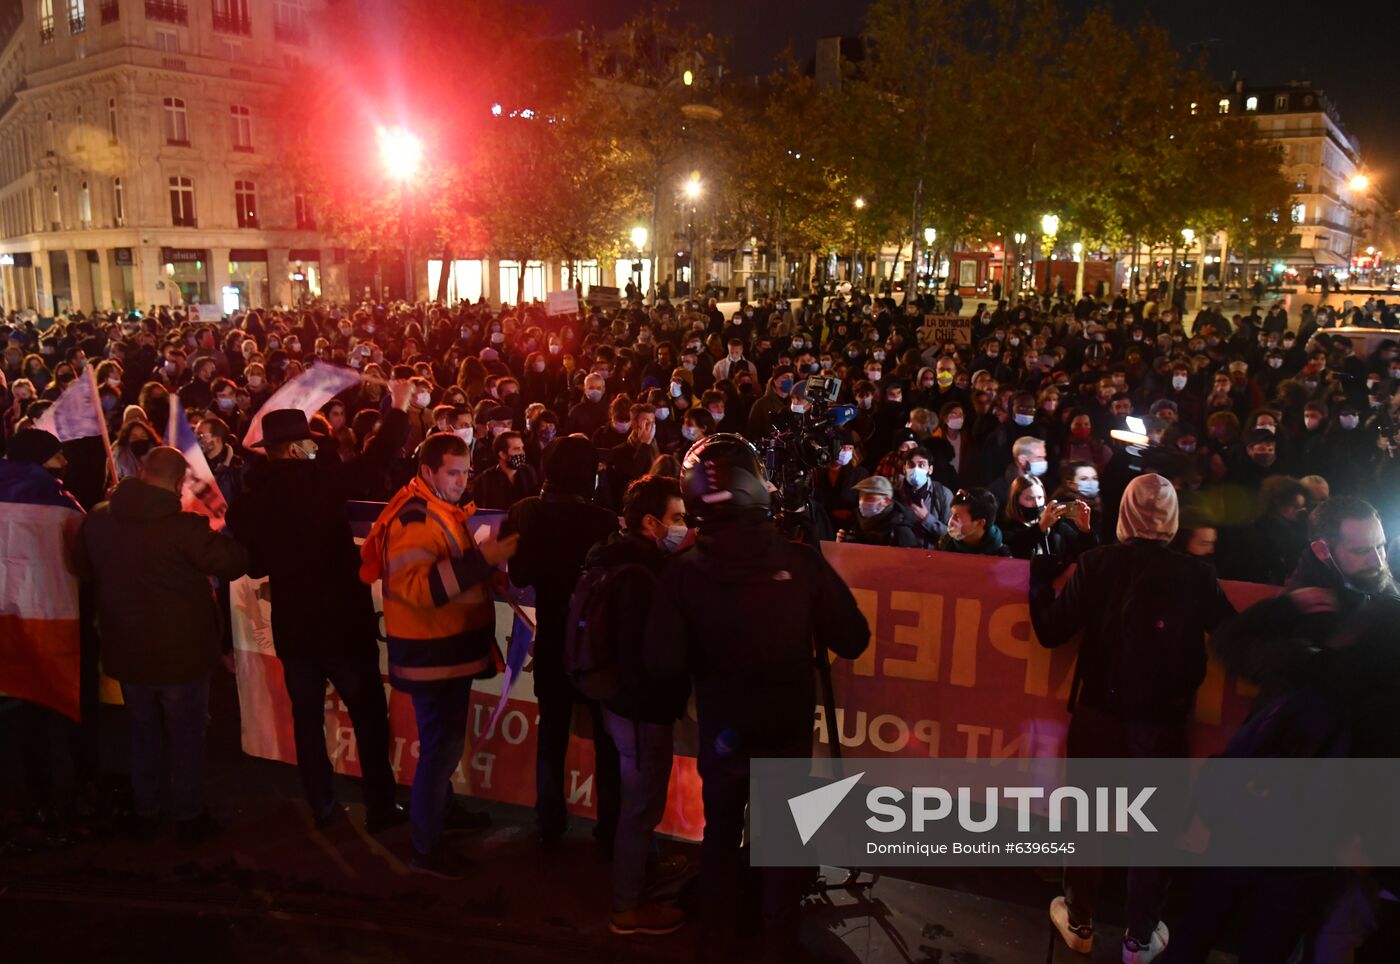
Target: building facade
1321	158
138	156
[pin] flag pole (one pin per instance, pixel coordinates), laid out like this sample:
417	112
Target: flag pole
102	421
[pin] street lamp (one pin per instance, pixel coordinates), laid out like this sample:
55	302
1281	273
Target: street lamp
1358	185
639	243
930	236
1020	238
692	186
860	203
401	153
1049	227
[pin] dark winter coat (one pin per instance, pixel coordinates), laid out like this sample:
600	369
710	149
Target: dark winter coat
293	520
156	612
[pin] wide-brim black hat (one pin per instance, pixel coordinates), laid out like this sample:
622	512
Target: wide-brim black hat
283	425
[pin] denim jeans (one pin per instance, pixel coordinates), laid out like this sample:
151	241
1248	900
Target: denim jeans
441	711
356	679
644	757
178	714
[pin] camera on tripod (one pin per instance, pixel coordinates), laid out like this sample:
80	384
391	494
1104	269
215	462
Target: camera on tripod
800	445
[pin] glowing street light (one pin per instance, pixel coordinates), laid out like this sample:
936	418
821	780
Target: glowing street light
1050	225
688	78
1077	248
1359	182
1189	236
400	151
930	235
692	187
860	203
639	238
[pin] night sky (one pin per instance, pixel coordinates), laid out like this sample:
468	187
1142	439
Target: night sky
1349	49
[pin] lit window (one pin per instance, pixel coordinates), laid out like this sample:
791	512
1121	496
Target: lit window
182	202
1281	102
77	16
168	41
1251	103
176	121
112	118
1299	213
46	21
305	220
118	201
241	127
49	134
245	202
85	205
1224	105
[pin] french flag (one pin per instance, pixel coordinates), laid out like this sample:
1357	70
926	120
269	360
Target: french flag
39	642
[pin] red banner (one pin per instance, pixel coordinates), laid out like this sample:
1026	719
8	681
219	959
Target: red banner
953	670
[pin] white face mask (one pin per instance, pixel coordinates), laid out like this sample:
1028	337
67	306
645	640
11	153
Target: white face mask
662	414
422	399
1178	382
465	434
621	426
955	423
690	432
673	538
844	456
677	389
1348	421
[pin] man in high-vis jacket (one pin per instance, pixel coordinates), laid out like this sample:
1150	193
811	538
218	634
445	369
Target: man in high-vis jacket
440	623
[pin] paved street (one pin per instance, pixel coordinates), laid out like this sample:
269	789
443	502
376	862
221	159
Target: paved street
274	889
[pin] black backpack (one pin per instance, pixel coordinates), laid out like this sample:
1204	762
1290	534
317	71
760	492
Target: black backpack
590	634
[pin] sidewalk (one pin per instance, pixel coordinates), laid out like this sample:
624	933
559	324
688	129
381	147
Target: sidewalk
274	889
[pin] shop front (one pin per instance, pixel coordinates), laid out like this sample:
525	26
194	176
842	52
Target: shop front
463	280
304	273
186	272
247	280
123	268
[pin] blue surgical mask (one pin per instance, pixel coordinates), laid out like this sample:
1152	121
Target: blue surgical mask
1023	419
917	476
1089	488
1038	467
673	538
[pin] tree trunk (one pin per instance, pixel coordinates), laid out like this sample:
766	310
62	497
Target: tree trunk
445	275
910	282
520	282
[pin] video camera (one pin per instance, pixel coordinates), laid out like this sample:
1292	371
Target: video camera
800	445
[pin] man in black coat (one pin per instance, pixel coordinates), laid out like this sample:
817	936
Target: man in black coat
557	528
1144	611
745	615
293	521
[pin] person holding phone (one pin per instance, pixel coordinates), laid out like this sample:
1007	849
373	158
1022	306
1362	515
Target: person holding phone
1033	526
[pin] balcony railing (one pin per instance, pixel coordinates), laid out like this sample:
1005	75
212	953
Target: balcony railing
169	11
233	23
46	35
111	11
77	24
292	33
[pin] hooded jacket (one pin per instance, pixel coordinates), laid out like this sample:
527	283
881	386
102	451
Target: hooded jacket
151	562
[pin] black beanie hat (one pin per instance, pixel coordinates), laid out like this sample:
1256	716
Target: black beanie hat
33	446
571	466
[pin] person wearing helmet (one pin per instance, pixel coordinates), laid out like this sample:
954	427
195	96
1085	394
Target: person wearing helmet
743	615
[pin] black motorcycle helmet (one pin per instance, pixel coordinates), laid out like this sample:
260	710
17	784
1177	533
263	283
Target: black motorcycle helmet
723	475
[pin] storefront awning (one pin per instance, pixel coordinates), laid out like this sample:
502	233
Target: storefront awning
1321	257
304	254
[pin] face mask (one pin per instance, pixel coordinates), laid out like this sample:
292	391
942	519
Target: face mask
871	509
955	423
1089	488
917	476
844	457
516	462
109	403
497	338
621	426
1039	466
717	414
227	404
1271	429
140	447
465	434
878	355
826	363
1178	382
1348	422
865	401
498	430
421	399
944	379
873	376
735	356
1275	362
785	385
690	432
594	394
1022	419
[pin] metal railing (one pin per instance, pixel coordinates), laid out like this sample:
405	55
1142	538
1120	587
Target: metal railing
233	23
111	11
169	11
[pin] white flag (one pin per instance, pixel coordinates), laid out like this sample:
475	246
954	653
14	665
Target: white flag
308	392
77	413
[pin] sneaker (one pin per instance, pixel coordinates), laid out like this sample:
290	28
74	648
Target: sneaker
1141	952
192	833
1077	937
650	919
380	819
442	863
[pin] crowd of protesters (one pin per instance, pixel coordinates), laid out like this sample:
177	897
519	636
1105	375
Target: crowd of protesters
1007	434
